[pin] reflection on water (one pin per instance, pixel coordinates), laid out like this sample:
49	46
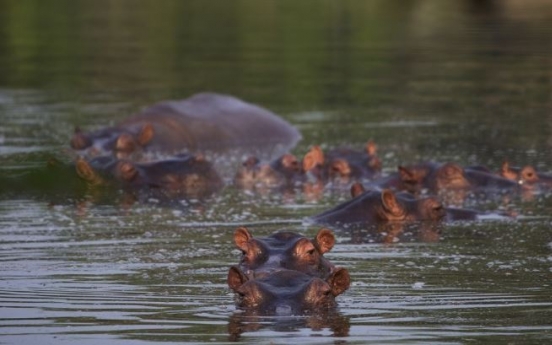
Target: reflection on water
465	81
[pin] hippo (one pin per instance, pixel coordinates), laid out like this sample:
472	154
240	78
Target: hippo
285	171
183	175
344	165
284	250
449	180
527	176
373	207
287	292
204	122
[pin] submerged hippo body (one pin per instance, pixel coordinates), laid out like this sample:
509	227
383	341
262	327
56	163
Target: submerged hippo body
284	250
183	175
375	207
287	292
206	122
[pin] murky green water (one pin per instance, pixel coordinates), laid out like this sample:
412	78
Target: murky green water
469	81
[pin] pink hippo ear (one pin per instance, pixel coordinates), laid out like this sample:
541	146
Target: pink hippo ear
324	240
506	172
125	143
356	189
390	203
236	278
313	158
146	134
85	171
242	236
79	141
339	281
371	148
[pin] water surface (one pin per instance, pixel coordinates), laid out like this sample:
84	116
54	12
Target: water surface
467	81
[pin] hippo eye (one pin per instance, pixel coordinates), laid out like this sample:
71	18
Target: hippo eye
310	252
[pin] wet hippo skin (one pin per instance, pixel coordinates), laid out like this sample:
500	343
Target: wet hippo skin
184	174
203	122
284	250
287	292
375	206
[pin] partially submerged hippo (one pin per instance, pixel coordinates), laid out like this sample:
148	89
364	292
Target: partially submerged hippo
436	178
287	292
284	250
183	175
527	176
345	165
374	207
205	122
285	171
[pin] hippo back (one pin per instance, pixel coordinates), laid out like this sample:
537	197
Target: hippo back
214	122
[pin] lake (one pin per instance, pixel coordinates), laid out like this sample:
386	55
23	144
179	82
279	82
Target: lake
466	81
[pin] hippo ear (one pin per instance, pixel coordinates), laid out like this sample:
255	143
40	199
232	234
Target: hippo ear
389	202
146	134
126	170
507	172
371	148
242	236
314	157
356	189
125	143
79	141
505	167
339	281
85	171
324	240
236	278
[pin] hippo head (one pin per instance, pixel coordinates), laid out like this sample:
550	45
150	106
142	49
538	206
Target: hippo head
185	175
376	207
121	141
450	176
412	177
287	292
252	173
97	170
285	250
129	142
524	176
